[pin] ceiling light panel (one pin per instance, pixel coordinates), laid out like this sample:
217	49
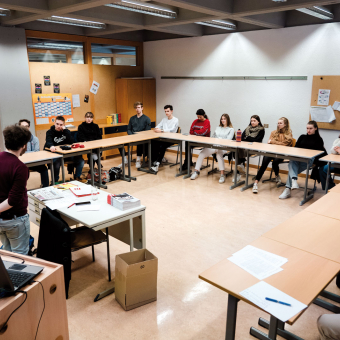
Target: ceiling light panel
223	24
4	12
145	8
317	11
74	22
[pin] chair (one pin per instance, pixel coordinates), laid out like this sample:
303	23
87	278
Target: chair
57	240
178	151
214	170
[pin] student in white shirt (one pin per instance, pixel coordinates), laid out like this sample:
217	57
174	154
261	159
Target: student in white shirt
224	131
158	148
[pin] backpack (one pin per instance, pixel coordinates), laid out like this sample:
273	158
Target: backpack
115	173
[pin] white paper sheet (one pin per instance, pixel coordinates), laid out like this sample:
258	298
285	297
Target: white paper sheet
336	106
88	207
76	100
323	97
41	121
94	87
322	114
258	292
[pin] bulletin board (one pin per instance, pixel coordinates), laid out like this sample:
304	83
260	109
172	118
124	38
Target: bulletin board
327	83
47	107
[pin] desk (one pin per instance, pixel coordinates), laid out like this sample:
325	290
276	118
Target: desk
335	189
327	205
332	161
292	280
39	158
24	322
283	152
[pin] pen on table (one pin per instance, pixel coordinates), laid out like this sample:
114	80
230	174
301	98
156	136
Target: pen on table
280	302
70	205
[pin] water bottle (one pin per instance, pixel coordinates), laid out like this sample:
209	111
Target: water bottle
238	135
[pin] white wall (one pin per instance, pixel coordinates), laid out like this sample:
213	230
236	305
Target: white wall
15	88
298	51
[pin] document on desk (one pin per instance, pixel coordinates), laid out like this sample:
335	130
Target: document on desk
258	262
257	295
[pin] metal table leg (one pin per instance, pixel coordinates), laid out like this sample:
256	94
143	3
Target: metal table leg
235	173
188	161
62	169
100	184
52	172
273	330
124	178
181	173
131	235
143	231
327	178
247	186
91	168
327	305
305	197
231	317
149	165
129	163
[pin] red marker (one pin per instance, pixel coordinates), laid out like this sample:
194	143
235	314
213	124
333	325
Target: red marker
70	205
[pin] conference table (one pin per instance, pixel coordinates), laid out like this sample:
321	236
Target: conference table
335	189
332	161
293	280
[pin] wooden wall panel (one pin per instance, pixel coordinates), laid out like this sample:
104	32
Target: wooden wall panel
149	98
135	94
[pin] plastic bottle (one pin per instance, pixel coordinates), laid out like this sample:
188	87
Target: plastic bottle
238	135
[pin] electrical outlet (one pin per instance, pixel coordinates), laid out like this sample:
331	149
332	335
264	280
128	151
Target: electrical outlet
266	126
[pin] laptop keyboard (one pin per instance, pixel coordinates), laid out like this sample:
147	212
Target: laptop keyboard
18	278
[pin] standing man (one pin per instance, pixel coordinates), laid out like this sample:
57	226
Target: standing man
58	135
14	220
137	123
33	146
167	124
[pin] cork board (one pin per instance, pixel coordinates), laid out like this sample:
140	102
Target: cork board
328	83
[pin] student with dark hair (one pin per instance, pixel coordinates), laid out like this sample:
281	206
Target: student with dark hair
224	131
58	135
158	148
33	146
254	132
137	123
89	131
14	220
199	127
312	141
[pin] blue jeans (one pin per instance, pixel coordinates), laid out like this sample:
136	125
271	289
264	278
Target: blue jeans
323	176
15	234
295	168
78	162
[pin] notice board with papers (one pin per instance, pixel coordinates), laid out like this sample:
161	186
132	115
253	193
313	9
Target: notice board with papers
331	83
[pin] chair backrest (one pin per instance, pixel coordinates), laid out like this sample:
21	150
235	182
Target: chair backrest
293	142
178	130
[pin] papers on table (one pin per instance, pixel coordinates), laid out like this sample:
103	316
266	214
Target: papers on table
322	114
257	295
45	194
67	199
258	262
88	207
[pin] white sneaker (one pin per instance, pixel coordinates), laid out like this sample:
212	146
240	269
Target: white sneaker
295	184
155	167
222	179
278	180
121	164
241	169
237	178
194	175
255	188
285	194
164	160
138	165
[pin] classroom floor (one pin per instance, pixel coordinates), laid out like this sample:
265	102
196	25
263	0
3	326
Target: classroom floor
190	226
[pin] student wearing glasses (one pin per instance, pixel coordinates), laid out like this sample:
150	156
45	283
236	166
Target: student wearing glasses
224	131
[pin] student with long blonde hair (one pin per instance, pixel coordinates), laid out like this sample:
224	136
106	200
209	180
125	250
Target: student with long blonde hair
281	136
224	131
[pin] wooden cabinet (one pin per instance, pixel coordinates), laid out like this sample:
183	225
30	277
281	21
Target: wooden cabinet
131	90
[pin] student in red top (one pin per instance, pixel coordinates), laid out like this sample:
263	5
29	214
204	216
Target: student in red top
14	220
199	127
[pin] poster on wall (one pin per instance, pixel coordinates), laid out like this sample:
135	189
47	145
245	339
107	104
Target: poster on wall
323	97
47	80
56	88
47	107
38	88
94	88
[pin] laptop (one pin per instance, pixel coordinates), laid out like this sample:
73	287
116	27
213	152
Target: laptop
15	275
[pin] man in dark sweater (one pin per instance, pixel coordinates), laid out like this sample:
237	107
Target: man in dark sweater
58	135
14	220
137	123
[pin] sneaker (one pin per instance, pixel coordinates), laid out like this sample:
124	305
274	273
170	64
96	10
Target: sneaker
121	164
155	167
79	179
241	169
285	194
237	178
138	165
194	175
255	188
164	160
278	180
295	184
221	180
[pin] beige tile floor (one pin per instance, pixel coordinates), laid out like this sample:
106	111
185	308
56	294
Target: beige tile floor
190	226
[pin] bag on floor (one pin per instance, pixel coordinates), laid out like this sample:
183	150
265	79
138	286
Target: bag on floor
104	174
115	173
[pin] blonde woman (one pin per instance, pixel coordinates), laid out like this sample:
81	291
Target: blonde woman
281	136
224	131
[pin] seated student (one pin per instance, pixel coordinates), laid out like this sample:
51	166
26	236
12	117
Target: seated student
138	122
223	131
199	127
313	141
14	220
281	136
253	133
329	326
89	131
335	150
33	146
158	148
58	135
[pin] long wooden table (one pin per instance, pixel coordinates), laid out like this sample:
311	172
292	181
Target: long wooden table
332	161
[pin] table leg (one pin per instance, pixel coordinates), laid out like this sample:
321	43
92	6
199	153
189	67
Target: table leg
143	231
188	156
181	173
231	317
149	163
327	305
91	168
124	178
273	330
235	174
327	178
247	186
131	235
63	169
52	172
100	184
129	163
305	197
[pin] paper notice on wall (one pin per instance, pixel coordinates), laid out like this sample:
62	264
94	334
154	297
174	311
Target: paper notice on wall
323	97
336	106
94	88
322	114
76	100
41	121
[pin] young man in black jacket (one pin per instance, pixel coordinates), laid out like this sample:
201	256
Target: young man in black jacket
58	135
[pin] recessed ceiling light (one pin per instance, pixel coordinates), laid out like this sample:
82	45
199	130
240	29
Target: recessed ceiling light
5	12
145	8
223	24
74	22
318	11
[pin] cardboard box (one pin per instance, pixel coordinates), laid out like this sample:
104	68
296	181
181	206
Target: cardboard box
136	278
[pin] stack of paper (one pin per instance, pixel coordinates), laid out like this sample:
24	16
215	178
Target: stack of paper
124	201
45	194
258	262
